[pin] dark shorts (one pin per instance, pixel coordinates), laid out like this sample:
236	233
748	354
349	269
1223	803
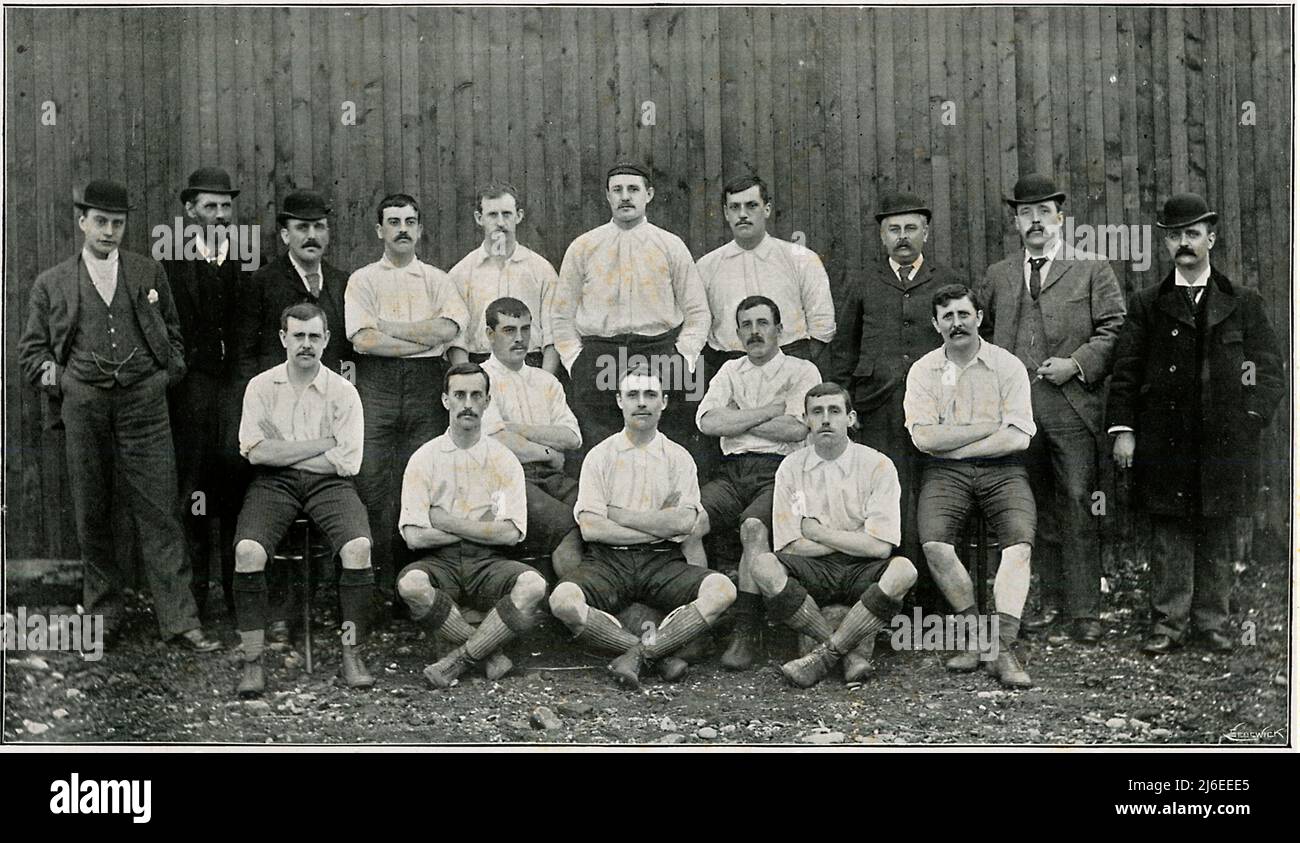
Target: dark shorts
613	578
949	488
276	497
471	574
836	577
551	495
741	489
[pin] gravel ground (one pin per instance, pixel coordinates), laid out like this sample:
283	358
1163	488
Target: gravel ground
146	691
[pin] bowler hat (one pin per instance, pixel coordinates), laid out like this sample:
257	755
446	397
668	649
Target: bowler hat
208	180
893	204
304	205
1184	209
103	195
627	168
1035	188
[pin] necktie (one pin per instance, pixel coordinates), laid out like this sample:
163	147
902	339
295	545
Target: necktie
1193	297
313	284
904	272
1036	277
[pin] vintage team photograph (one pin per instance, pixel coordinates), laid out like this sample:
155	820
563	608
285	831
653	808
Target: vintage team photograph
697	375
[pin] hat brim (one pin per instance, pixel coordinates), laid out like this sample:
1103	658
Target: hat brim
190	192
100	206
884	215
1058	198
1208	216
304	217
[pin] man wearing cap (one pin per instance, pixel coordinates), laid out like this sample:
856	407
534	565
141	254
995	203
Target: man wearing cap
299	275
630	289
1060	311
884	327
102	335
205	281
1197	377
401	314
756	263
967	408
502	267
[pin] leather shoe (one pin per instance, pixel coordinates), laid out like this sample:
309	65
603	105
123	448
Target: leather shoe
1009	671
1045	618
278	632
672	668
196	641
627	667
353	669
964	662
1215	641
1086	631
1157	644
253	681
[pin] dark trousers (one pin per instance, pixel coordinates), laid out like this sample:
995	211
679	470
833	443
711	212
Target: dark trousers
210	475
126	431
1191	574
881	427
402	405
1062	465
604	360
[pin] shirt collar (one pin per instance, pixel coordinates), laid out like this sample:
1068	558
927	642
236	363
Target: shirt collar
519	254
222	251
496	368
895	265
415	267
841	462
1200	280
95	260
984	354
622	443
1050	255
762	251
318	383
302	273
476	452
769	369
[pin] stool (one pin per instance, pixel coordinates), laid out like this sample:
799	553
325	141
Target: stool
978	548
302	544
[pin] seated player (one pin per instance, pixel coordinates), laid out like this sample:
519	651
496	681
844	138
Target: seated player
302	430
835	526
755	403
528	415
638	498
967	406
463	502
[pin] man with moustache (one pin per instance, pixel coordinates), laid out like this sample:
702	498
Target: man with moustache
301	429
638	498
967	407
884	327
102	341
205	404
301	274
528	414
1060	313
756	405
463	503
629	290
502	267
401	316
1197	376
756	263
835	528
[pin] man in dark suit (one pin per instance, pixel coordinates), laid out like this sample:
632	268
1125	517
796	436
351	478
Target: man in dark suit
1059	310
103	336
299	275
1197	376
205	280
884	327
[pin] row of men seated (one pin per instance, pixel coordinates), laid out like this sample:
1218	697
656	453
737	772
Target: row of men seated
619	285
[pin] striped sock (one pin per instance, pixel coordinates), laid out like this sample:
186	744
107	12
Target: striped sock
605	632
683	624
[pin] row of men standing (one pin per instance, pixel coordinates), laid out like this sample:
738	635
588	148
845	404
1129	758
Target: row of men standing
626	288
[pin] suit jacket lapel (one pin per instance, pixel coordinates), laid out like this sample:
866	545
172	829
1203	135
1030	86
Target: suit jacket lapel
1016	279
1054	274
71	280
1219	304
1173	301
890	277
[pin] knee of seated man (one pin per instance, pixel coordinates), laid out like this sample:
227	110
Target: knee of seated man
250	557
565	599
718	588
356	553
529	587
937	551
414	584
903	567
